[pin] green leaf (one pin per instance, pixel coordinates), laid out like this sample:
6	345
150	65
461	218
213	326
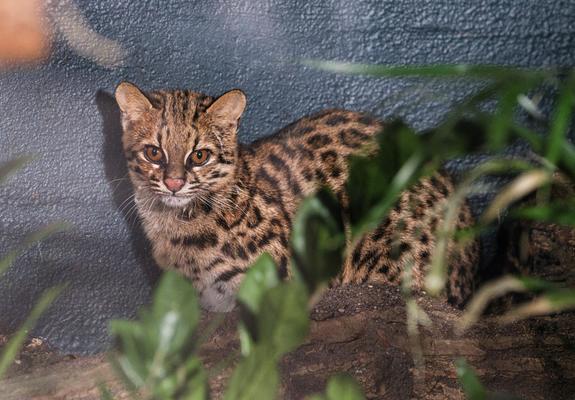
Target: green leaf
488	292
31	240
131	363
472	387
557	213
502	286
8	168
255	378
367	186
282	324
176	293
318	239
15	343
457	136
562	116
375	183
105	393
283	321
154	348
567	159
433	71
534	139
174	316
261	277
550	302
343	387
534	285
193	381
501	122
521	186
562	299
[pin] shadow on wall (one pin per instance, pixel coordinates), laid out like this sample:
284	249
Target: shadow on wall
116	171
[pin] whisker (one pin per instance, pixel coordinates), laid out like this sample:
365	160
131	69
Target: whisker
128	201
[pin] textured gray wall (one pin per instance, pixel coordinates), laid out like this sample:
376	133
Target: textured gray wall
63	112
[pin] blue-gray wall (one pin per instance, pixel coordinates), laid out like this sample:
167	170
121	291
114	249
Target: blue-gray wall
63	112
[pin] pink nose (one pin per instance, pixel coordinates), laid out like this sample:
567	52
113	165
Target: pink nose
174	184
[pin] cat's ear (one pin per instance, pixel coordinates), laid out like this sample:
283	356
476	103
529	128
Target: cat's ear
131	100
229	106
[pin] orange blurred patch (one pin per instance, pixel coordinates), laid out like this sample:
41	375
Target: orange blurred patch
24	32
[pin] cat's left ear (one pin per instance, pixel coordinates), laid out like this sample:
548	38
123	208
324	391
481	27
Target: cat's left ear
229	106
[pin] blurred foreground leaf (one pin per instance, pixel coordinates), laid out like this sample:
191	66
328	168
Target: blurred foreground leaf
13	346
376	182
490	72
318	239
31	240
561	213
9	167
471	385
562	117
495	289
157	351
105	393
521	186
261	276
341	387
550	302
282	324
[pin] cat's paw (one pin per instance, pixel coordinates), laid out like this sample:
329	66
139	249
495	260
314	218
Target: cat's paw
217	299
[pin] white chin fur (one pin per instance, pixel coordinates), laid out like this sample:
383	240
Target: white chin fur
174	201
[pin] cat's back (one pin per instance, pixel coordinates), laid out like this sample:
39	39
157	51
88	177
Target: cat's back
313	151
338	128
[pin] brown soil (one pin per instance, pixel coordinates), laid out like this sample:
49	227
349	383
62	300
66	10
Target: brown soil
361	330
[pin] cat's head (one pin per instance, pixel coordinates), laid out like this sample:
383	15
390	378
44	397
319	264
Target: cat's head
181	146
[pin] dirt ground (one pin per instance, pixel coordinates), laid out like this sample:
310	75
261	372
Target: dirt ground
361	330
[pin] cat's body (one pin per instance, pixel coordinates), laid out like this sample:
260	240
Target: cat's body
211	206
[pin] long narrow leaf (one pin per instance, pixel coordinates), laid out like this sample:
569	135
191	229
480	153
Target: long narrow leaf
408	173
556	213
561	118
554	301
343	387
472	387
318	240
32	239
15	343
105	393
518	188
255	378
8	168
488	292
499	127
431	71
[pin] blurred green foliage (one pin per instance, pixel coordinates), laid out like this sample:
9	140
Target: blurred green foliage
11	349
157	353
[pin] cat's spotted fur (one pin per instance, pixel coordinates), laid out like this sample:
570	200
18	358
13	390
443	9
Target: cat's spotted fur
210	221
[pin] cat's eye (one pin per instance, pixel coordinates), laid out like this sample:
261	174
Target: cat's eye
154	154
198	157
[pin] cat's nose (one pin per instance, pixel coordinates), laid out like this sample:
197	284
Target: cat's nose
174	184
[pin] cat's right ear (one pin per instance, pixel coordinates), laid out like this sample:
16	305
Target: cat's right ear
131	100
229	106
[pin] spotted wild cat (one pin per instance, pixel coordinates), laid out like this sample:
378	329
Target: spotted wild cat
210	205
